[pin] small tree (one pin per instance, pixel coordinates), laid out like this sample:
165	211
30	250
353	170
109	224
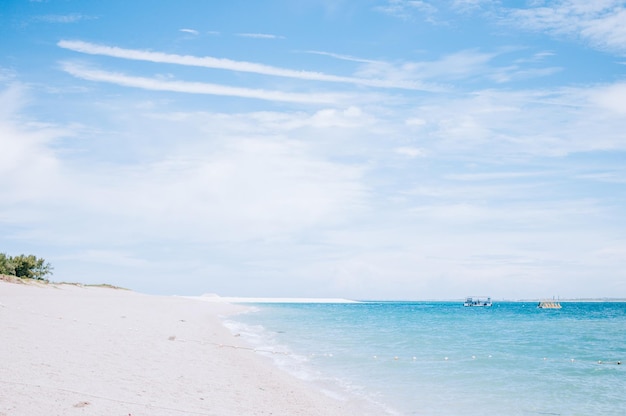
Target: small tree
6	265
42	269
30	267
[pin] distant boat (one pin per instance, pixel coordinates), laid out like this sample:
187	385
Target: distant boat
549	305
472	301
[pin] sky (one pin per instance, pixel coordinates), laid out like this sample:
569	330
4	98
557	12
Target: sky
365	149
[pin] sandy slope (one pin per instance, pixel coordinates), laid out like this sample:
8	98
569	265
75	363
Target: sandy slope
72	350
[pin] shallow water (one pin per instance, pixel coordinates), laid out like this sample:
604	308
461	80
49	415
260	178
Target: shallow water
440	358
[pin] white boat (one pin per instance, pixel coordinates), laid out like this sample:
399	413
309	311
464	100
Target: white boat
473	301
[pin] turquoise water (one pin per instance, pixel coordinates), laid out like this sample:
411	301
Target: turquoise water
440	358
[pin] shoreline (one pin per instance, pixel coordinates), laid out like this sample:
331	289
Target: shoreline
90	350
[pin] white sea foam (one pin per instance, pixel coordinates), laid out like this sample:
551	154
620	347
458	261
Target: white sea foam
303	364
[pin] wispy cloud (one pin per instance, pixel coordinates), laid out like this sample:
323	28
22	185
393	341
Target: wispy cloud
63	18
190	31
231	65
455	66
610	176
471	5
259	36
494	176
406	9
343	57
523	124
155	84
514	72
600	23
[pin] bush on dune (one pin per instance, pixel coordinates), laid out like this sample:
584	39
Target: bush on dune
25	266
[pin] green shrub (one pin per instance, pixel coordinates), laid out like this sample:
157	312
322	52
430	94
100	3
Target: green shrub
25	266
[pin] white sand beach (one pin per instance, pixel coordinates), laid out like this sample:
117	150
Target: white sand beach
77	350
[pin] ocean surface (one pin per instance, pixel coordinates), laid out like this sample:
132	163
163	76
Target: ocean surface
440	358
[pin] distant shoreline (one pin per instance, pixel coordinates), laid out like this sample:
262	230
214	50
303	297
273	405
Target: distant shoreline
244	299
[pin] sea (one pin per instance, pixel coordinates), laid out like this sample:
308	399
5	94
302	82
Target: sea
444	359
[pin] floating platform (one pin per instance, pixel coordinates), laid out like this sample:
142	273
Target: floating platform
549	305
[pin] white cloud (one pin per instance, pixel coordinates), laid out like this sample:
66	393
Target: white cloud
29	168
494	176
63	18
415	122
602	23
471	5
508	124
607	176
406	9
248	184
410	151
158	84
462	65
190	31
227	64
259	36
11	99
351	117
343	57
611	97
247	190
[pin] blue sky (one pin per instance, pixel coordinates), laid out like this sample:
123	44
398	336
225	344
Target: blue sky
382	149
